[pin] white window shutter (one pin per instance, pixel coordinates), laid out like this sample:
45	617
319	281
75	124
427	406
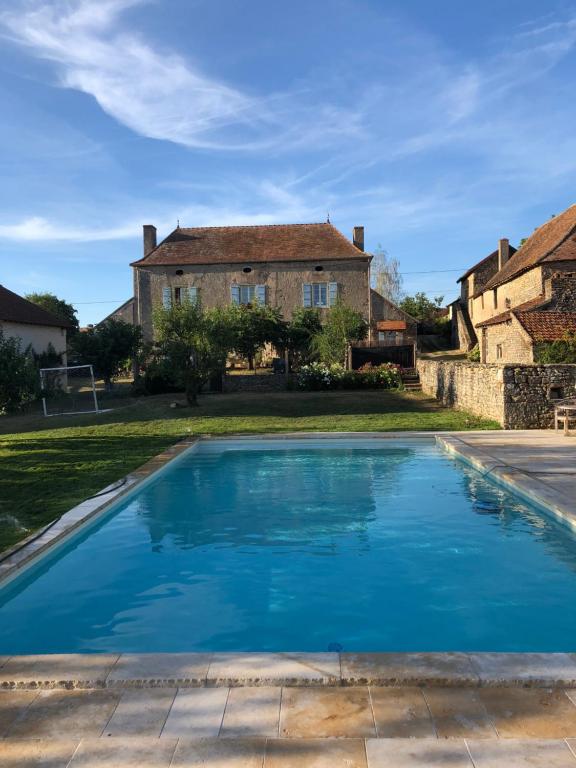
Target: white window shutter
261	294
192	294
166	297
235	294
307	294
332	294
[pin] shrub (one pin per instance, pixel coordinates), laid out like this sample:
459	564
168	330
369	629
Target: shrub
474	354
319	376
560	351
19	385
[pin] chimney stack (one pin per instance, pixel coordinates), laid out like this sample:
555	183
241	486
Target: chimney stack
149	238
358	237
503	252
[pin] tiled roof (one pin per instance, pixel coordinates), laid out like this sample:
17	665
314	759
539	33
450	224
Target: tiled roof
252	244
503	317
553	241
15	309
547	326
492	255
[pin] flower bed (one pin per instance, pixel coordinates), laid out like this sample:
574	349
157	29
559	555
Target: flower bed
317	376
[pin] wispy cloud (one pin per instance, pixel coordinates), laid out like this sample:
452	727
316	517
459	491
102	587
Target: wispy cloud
157	93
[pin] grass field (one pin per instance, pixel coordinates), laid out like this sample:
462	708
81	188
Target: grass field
48	465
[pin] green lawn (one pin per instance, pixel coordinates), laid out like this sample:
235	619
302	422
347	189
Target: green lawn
48	465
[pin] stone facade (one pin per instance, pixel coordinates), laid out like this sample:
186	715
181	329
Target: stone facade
283	283
504	342
516	396
125	313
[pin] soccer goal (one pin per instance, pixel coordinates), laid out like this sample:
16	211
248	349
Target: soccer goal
68	389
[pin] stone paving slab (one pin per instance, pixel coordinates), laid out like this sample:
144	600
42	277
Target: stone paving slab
141	712
326	713
518	753
541	669
530	713
252	712
219	753
37	753
196	712
315	753
173	669
459	713
274	669
407	669
418	753
401	713
77	670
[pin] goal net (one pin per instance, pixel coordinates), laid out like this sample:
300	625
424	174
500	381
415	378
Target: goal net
68	389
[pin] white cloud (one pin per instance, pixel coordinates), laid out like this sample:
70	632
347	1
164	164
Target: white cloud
156	93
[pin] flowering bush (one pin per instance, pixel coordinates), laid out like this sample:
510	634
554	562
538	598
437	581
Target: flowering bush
317	376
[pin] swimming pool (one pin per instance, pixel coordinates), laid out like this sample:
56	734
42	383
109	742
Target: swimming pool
304	545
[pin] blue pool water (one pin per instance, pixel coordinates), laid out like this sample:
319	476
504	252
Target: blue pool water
365	546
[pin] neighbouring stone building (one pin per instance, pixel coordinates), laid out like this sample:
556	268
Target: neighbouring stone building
515	299
286	266
32	325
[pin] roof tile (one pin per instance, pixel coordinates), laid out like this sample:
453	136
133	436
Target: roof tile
15	309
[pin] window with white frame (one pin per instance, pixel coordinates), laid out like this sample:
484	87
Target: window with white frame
319	294
248	294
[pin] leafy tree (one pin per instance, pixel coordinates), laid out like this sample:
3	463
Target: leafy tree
343	326
255	326
19	383
421	308
300	332
108	347
560	351
195	343
56	306
385	276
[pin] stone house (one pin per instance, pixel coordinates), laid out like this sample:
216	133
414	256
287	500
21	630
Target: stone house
32	325
284	265
515	299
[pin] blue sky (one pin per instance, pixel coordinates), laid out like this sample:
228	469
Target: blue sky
440	126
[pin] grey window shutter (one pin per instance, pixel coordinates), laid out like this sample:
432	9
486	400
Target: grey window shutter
193	294
307	294
261	294
332	294
166	297
235	293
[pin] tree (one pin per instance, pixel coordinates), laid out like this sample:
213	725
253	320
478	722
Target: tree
300	332
255	326
385	276
421	308
56	306
194	342
19	384
343	326
108	347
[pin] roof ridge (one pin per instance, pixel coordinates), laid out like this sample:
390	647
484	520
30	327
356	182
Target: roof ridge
256	226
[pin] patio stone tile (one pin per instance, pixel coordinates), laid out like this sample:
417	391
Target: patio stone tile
315	753
12	705
459	713
546	669
401	712
170	669
71	670
252	712
407	669
535	713
219	753
124	753
520	753
326	712
3	660
274	669
37	753
141	712
417	753
66	714
196	713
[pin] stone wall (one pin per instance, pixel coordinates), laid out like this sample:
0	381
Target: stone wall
266	382
516	396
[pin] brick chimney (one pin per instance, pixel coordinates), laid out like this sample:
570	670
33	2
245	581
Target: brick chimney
149	238
358	237
503	252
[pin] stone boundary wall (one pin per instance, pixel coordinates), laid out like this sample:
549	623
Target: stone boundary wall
268	382
516	396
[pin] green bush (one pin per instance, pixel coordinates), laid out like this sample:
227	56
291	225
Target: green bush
560	351
320	376
19	384
474	354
